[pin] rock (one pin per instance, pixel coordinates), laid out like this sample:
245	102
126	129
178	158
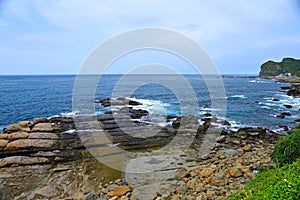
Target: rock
247	148
221	139
120	101
44	127
90	196
176	123
218	181
275	99
288	106
236	142
22	160
183	172
17	135
283	127
25	124
13	128
207	114
121	190
211	194
42	135
236	171
145	192
286	113
242	134
4	135
40	120
3	143
226	123
64	120
205	173
29	143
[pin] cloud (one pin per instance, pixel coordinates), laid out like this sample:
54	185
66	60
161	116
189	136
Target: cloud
227	29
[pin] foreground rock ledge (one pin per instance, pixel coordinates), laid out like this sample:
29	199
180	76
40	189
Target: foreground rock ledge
43	159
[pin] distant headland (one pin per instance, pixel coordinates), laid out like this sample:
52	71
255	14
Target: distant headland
288	67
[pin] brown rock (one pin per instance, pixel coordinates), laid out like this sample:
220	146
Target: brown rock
246	170
218	182
247	148
17	135
210	194
3	136
41	135
44	127
221	139
40	120
25	124
243	134
236	171
206	172
14	128
29	143
22	160
3	143
183	172
121	190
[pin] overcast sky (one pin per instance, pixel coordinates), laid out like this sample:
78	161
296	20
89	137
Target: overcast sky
56	36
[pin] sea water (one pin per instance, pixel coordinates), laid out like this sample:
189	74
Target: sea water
249	101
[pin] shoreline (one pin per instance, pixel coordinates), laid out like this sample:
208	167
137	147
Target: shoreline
50	151
55	144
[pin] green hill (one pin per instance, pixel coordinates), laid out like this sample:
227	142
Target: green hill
287	65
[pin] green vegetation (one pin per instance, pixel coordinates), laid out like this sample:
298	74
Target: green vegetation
287	149
287	65
282	182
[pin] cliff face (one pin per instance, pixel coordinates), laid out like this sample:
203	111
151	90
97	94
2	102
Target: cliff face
287	65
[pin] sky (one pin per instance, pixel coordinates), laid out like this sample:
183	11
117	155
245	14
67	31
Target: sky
56	36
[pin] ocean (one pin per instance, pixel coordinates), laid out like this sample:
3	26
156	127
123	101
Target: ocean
250	101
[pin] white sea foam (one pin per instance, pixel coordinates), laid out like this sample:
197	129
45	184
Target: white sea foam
239	96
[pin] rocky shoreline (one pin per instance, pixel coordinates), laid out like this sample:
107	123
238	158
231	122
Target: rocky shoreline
48	158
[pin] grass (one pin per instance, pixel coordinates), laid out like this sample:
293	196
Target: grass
287	149
279	183
282	182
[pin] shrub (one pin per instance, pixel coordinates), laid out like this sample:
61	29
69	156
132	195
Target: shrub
287	149
279	183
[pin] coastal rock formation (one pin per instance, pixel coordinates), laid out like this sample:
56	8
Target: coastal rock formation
288	66
50	160
120	101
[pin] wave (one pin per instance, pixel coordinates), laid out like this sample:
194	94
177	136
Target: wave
241	96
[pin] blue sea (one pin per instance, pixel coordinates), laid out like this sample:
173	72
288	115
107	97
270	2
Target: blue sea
249	100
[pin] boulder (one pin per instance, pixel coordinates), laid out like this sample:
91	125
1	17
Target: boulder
43	135
63	120
221	139
40	120
205	173
3	135
247	147
3	143
236	171
121	190
13	128
45	127
288	106
25	124
120	101
22	160
17	135
183	172
29	144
